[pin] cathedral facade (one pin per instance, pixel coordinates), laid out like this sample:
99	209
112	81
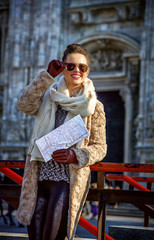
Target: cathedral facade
119	37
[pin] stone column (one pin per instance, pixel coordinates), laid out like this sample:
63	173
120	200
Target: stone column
126	95
129	93
16	58
33	40
145	119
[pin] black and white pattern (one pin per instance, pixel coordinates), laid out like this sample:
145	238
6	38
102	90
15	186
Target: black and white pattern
52	170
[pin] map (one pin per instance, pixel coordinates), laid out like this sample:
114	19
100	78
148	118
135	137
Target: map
62	137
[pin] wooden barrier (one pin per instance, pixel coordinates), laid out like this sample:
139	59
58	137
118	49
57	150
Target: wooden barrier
107	195
103	196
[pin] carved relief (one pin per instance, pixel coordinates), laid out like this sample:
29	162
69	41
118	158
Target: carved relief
139	131
134	12
151	104
13	135
106	60
127	13
122	13
145	129
150	132
98	14
86	17
75	17
151	111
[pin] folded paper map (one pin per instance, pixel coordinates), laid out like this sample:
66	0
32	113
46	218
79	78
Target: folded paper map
62	137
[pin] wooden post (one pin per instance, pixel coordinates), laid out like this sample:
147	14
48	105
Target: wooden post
101	229
100	180
101	217
146	220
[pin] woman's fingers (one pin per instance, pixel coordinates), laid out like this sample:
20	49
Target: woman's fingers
64	156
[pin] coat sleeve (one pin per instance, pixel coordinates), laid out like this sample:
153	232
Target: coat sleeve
30	99
96	149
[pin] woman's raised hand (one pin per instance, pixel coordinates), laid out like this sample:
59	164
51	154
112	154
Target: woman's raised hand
55	67
64	156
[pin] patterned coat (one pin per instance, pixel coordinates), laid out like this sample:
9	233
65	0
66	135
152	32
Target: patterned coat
92	150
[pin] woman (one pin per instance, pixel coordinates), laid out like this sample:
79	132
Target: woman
53	193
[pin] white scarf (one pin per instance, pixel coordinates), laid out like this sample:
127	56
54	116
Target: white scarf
58	94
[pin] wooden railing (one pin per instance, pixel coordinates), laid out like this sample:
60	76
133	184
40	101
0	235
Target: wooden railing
139	199
100	194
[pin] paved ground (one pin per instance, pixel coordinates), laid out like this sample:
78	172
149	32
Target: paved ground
128	220
81	233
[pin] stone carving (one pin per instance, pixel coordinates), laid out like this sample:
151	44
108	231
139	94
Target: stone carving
134	12
151	104
13	135
103	43
75	18
139	130
150	133
151	109
119	12
122	13
106	60
139	133
128	12
86	17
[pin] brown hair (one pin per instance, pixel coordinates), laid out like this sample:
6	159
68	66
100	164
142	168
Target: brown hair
75	48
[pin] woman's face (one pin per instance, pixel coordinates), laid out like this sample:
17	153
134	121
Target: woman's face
75	77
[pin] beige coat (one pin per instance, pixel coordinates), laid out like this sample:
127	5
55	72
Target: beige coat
92	150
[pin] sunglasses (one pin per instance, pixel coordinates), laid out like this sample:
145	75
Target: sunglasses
71	66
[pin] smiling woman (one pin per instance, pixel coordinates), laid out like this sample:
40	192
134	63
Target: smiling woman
75	77
54	192
77	68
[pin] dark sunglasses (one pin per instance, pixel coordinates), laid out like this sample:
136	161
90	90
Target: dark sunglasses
71	66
